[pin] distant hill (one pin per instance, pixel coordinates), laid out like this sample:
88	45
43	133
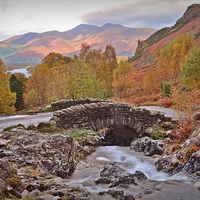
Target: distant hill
31	48
189	23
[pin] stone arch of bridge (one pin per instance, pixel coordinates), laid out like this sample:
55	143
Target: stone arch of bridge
100	114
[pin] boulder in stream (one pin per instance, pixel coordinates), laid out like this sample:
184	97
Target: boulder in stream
149	146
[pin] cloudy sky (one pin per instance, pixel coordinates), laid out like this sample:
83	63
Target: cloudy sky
21	16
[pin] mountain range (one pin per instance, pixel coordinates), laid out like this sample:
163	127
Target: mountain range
140	44
29	49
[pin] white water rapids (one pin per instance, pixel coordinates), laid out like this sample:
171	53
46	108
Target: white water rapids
129	160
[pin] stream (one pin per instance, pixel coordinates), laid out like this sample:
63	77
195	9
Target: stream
85	175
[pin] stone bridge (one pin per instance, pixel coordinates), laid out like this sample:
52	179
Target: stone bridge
98	114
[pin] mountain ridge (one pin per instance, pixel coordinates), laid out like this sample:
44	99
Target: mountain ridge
189	23
30	48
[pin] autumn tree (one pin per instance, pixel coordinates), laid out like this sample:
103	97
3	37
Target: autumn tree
187	98
52	59
58	83
37	87
150	84
85	49
121	81
81	81
17	87
7	98
94	59
172	55
103	63
108	66
191	69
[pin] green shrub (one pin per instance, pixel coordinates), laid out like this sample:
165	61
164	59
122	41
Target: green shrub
166	88
77	134
158	135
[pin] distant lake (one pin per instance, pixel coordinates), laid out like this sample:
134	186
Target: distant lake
22	71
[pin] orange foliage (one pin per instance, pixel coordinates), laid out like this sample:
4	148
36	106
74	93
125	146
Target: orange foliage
166	102
149	82
141	95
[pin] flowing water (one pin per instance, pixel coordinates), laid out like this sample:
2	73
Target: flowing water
129	160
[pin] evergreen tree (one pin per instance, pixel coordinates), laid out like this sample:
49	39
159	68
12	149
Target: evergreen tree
17	87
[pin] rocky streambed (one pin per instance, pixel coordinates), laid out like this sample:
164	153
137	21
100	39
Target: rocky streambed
125	174
44	163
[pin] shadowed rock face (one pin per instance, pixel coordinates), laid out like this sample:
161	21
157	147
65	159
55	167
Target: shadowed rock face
118	134
54	154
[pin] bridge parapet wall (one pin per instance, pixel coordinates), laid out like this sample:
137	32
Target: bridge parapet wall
66	103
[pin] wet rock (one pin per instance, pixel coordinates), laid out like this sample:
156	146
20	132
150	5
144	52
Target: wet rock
103	180
140	175
116	176
124	180
193	165
117	194
112	170
129	197
86	145
169	164
149	146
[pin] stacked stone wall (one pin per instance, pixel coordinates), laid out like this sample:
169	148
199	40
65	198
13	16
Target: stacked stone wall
65	103
101	114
